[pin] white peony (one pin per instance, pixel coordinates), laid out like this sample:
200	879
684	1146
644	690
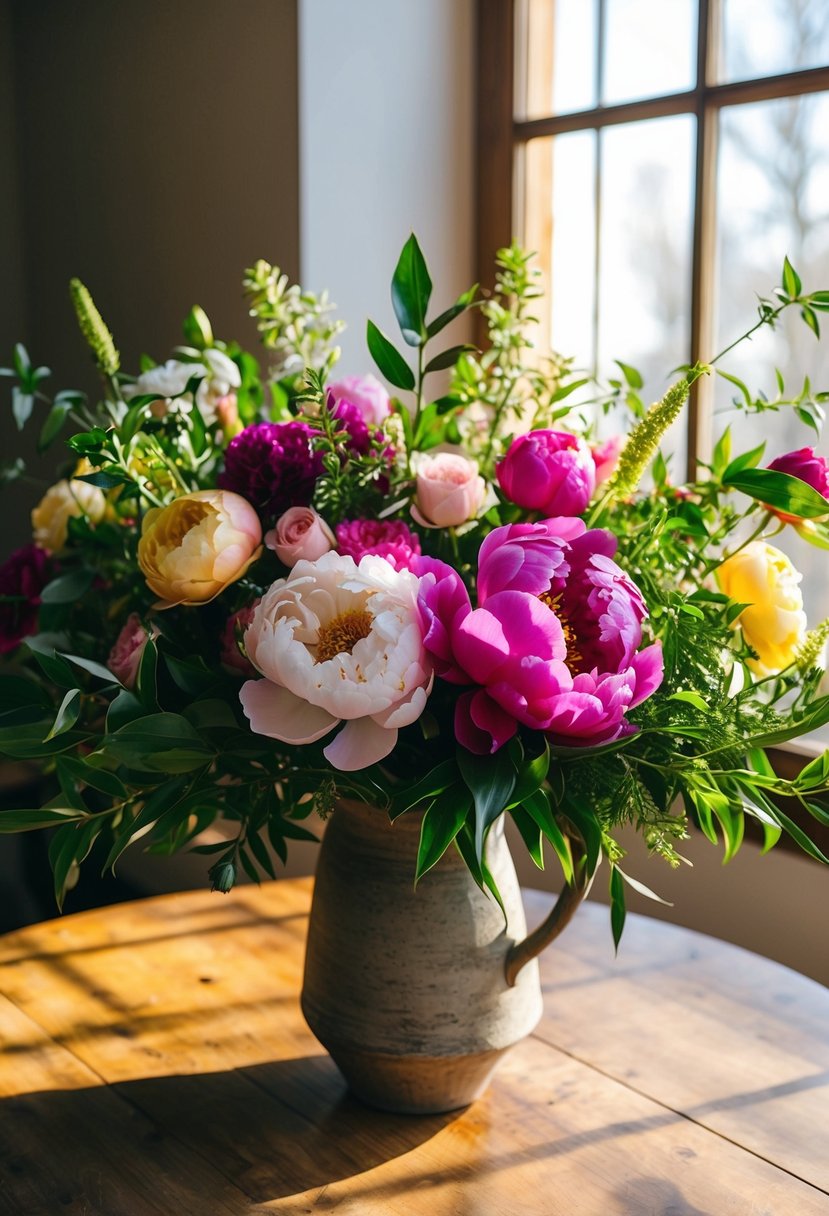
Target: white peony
338	642
220	376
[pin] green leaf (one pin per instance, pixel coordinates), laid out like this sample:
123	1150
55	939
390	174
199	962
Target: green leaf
68	588
441	824
532	774
537	806
33	820
411	289
618	912
791	280
722	451
799	836
433	783
631	375
643	890
691	698
810	317
447	358
159	742
98	779
125	708
461	304
22	406
198	331
530	834
52	424
779	490
95	669
145	680
490	780
67	715
105	479
748	460
260	853
388	359
67	849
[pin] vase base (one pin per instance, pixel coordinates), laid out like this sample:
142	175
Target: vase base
415	1084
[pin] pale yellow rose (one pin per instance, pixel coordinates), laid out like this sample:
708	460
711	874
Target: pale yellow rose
63	501
191	550
774	623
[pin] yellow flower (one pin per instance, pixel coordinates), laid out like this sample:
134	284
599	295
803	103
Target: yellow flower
60	503
191	550
774	623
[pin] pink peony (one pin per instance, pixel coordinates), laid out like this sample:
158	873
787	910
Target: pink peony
553	643
22	578
606	457
365	392
548	471
125	657
230	656
300	534
388	538
449	491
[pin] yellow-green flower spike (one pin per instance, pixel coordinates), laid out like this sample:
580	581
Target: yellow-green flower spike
93	328
810	652
643	443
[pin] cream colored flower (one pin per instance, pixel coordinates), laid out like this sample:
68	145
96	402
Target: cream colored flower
64	501
774	623
338	642
199	544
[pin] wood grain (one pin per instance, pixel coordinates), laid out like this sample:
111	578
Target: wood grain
155	1061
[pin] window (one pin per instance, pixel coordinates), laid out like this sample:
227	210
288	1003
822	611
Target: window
662	156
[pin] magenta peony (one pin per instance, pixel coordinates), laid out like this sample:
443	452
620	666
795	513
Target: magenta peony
388	538
272	465
553	643
548	471
22	578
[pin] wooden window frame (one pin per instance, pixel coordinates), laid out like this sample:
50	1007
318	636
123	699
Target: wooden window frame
502	139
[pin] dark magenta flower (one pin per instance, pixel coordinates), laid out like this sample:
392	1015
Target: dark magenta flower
548	471
806	466
553	643
22	578
386	538
273	465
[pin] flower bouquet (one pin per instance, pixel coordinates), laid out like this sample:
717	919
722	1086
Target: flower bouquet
256	596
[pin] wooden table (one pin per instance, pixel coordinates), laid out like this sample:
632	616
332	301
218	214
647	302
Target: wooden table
155	1061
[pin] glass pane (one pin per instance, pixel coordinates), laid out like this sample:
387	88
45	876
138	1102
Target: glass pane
767	37
559	45
650	48
773	187
645	254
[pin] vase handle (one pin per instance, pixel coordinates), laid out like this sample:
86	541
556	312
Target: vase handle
563	911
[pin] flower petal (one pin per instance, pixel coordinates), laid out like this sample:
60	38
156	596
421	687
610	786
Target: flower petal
360	743
279	714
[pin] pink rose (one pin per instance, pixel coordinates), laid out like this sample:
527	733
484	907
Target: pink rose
125	656
230	656
449	491
366	392
548	471
300	534
606	457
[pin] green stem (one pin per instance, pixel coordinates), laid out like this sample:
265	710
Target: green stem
769	319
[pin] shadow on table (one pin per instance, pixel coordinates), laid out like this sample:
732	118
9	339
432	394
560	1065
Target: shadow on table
272	1130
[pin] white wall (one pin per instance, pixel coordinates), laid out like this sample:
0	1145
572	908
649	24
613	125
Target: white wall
386	126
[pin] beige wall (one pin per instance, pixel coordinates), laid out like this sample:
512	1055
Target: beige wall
157	154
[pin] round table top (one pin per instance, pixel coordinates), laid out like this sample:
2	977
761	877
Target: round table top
155	1061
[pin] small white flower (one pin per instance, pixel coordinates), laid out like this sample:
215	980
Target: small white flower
338	642
220	376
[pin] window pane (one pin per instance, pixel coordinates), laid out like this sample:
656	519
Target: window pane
650	48
767	37
773	187
558	39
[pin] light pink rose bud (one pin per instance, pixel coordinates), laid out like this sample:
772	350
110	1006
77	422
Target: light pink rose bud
300	534
606	457
366	392
449	491
125	656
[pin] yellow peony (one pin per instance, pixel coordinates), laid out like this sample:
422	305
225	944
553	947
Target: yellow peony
191	550
60	503
774	623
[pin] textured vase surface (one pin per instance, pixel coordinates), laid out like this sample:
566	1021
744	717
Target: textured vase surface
405	988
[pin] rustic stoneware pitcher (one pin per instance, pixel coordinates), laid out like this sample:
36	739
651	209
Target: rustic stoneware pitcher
417	994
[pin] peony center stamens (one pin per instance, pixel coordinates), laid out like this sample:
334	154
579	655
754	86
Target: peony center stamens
342	633
573	657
